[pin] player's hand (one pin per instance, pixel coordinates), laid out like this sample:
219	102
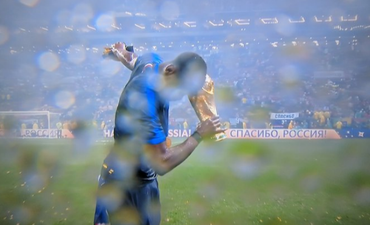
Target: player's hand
119	50
210	127
120	46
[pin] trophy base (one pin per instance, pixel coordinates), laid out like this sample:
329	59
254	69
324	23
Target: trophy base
108	54
168	142
219	137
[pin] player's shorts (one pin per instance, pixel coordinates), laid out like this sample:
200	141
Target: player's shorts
118	205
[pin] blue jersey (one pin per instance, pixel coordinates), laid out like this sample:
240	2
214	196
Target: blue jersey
142	116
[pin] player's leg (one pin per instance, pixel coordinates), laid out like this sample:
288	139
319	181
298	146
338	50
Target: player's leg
101	214
148	203
116	204
141	206
154	207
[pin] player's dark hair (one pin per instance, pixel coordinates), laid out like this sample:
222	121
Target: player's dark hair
192	70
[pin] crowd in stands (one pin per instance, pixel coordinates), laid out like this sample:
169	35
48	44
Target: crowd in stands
250	82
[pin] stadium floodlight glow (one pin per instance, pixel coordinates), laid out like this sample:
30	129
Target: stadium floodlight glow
348	18
115	27
269	20
140	14
242	22
90	27
230	22
300	20
122	14
337	27
140	26
328	19
190	24
215	24
164	26
176	24
357	27
317	20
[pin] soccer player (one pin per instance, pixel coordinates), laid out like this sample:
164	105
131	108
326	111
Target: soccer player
128	189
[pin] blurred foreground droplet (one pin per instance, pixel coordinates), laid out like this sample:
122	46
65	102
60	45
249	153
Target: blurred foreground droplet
82	13
77	54
48	61
104	22
110	196
109	67
247	168
34	181
23	214
362	196
284	27
170	10
64	99
29	3
289	75
4	35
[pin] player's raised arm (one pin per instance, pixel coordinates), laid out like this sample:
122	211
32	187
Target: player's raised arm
122	53
163	158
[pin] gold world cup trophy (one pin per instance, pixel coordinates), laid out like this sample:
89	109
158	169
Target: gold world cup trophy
204	105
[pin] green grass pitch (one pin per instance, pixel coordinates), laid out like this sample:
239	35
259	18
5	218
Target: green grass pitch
231	182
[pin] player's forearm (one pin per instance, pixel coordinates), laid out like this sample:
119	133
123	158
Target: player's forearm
127	58
129	62
177	154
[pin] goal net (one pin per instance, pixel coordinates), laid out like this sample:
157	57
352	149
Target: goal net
33	124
